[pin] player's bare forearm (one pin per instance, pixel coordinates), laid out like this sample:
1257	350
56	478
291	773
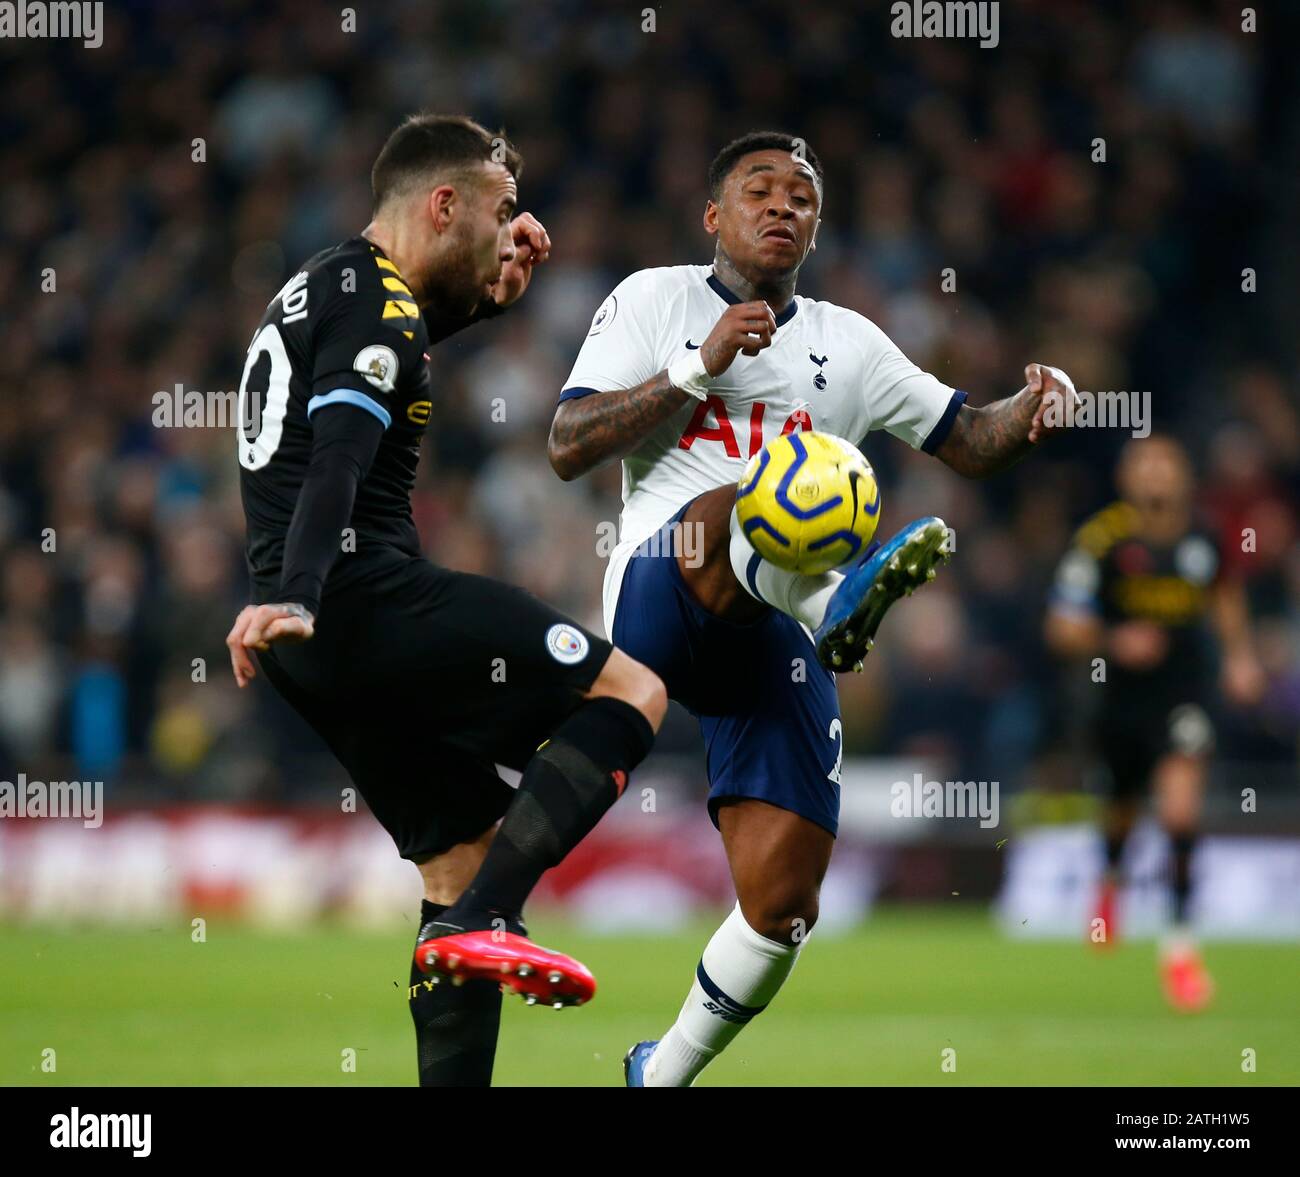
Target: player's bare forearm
984	441
1230	615
1242	674
591	430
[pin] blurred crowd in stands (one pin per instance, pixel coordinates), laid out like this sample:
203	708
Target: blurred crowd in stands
1098	184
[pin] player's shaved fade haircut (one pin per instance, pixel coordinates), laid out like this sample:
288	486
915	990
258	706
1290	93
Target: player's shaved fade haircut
726	159
436	145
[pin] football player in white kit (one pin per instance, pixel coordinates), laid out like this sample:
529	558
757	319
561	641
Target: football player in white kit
685	374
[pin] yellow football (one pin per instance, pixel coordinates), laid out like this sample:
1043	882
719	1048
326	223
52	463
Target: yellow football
808	502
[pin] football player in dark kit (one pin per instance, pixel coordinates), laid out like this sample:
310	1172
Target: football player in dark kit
422	679
1137	589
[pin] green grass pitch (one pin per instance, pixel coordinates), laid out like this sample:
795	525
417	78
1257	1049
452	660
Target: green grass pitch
876	1006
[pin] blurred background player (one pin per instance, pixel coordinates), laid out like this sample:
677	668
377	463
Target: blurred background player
421	679
1143	589
686	371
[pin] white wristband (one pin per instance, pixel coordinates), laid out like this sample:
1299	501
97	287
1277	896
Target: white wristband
688	373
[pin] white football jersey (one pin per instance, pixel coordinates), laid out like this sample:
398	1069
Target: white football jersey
827	368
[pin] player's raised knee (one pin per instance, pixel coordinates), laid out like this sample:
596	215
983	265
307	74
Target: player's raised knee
625	678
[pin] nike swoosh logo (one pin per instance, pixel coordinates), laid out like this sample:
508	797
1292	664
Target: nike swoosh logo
853	486
692	346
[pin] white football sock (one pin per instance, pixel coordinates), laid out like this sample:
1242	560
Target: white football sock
1177	941
802	597
738	975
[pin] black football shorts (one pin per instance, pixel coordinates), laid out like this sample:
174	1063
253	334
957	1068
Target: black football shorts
421	680
1134	736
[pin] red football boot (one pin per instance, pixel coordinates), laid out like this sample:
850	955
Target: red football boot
1187	984
537	974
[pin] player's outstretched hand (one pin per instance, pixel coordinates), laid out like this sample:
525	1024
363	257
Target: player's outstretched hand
532	247
1055	391
745	328
257	626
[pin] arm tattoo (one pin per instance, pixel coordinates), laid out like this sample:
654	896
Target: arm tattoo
984	441
590	430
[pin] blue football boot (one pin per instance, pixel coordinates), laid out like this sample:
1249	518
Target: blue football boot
634	1063
893	570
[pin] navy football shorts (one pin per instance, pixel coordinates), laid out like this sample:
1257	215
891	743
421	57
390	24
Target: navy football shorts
768	711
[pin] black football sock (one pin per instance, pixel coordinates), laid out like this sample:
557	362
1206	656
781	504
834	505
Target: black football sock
568	785
455	1026
1181	846
1114	852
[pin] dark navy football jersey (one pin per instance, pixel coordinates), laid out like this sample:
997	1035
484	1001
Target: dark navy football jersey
345	329
1115	574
